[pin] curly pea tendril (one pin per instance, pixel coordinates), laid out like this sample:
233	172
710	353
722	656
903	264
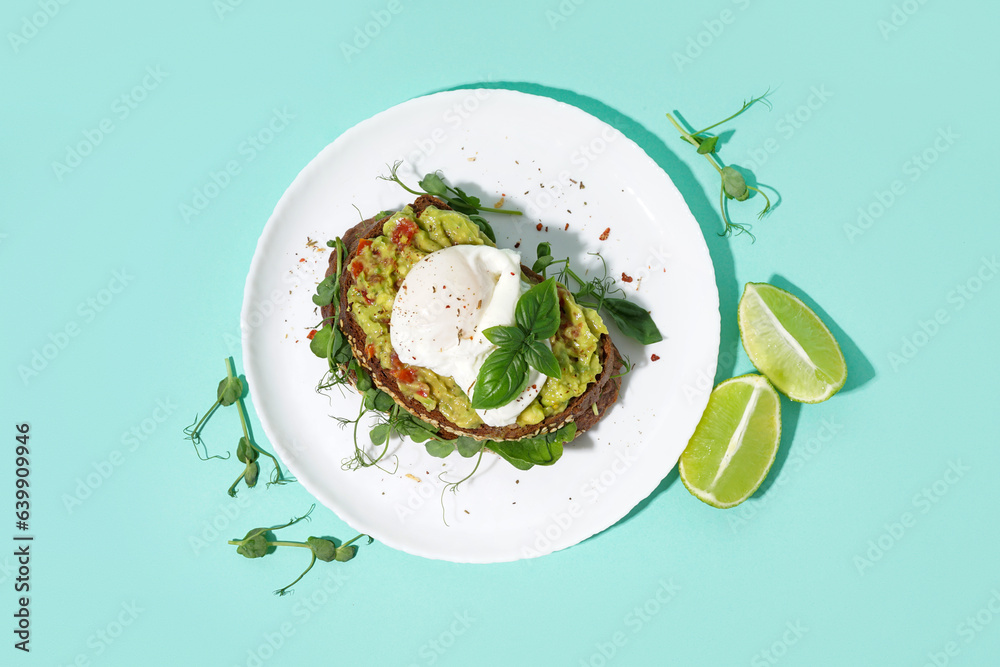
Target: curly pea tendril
256	544
230	392
734	185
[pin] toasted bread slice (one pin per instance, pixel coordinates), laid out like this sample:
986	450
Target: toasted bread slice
586	409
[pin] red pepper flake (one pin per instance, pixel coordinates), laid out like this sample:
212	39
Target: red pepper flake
311	334
655	357
566	227
605	234
538	226
303	259
517	245
626	277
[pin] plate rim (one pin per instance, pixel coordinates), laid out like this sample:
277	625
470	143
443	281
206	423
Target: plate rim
299	181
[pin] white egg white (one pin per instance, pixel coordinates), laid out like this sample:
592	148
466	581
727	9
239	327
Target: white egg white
445	302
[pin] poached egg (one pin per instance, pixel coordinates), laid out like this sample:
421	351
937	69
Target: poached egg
446	301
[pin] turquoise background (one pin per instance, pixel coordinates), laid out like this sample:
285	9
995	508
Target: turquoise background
874	539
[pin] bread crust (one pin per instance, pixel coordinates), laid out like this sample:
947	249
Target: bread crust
602	392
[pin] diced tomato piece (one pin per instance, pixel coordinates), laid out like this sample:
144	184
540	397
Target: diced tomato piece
405	373
423	390
404	231
356	267
364	243
369	350
311	335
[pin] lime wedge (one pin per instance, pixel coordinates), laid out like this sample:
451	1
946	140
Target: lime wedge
789	344
734	444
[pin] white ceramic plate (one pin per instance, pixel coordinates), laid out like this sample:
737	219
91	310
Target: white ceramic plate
561	166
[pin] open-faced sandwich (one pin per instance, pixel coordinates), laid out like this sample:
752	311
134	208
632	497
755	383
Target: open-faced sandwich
475	350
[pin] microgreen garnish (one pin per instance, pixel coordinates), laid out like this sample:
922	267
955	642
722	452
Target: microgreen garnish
256	544
734	185
344	370
433	184
504	374
632	320
541	450
476	447
230	392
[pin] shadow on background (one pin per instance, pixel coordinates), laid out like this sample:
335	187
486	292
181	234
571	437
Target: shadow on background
703	209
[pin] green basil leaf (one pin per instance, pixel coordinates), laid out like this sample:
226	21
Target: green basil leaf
633	321
439	449
707	145
325	291
433	185
540	357
501	379
468	447
321	341
537	311
734	185
504	336
544	249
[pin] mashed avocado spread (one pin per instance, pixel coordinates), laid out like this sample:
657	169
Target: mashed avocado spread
379	267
